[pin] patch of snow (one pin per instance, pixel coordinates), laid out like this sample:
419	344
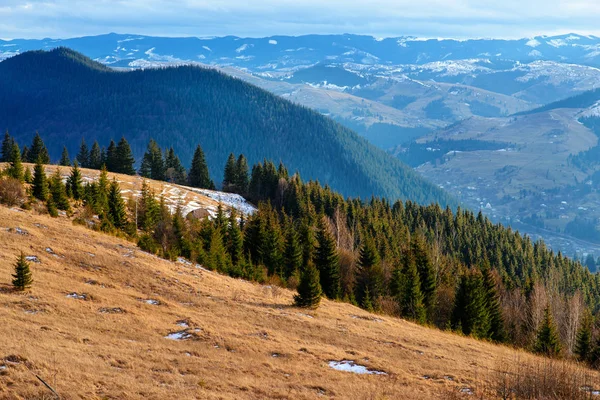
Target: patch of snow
181	335
272	41
34	259
152	302
534	53
77	296
207	48
304	315
243	47
183	324
533	43
351	366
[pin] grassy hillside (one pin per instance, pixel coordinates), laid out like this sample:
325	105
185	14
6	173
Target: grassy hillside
66	96
95	325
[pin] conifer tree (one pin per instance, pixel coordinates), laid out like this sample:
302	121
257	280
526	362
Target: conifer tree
65	161
494	309
327	261
58	192
38	150
101	193
22	277
470	313
117	213
309	289
7	147
230	175
175	172
124	158
95	157
271	248
235	240
198	175
15	167
39	187
111	162
27	177
51	207
217	255
410	297
583	341
153	165
292	256
425	269
25	154
547	340
369	272
83	157
75	182
148	209
242	174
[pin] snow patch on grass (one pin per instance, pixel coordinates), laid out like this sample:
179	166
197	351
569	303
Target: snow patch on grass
351	366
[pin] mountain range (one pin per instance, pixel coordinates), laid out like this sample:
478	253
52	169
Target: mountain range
65	96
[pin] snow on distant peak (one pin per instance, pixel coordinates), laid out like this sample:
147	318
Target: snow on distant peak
534	53
533	43
557	43
272	41
243	47
207	48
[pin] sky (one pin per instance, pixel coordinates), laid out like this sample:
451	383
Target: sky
246	18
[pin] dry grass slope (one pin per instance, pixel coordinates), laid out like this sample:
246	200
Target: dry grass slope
87	328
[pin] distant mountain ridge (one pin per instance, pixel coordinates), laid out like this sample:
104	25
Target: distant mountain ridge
66	96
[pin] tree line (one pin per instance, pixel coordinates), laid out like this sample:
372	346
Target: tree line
453	270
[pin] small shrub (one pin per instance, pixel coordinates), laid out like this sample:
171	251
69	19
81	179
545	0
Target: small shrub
11	191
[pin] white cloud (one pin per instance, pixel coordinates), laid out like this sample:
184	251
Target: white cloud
432	18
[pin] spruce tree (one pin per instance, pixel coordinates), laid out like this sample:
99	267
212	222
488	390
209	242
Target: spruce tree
547	339
271	248
7	147
25	154
198	175
124	158
230	175
217	256
242	174
153	165
327	261
38	150
235	240
494	309
117	213
583	341
95	157
39	188
51	207
369	272
425	269
83	157
22	276
58	191
309	289
292	256
470	312
111	162
410	297
75	182
27	177
15	167
65	161
175	172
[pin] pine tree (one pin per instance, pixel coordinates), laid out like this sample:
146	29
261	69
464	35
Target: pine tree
327	261
75	182
309	289
369	272
198	175
410	297
426	272
547	340
15	168
95	157
27	175
58	191
366	302
22	276
292	256
242	174
39	187
65	161
124	158
494	309
7	147
470	313
100	201
51	207
148	210
175	172
271	248
153	165
217	256
25	154
38	150
230	175
111	162
117	213
235	240
583	342
83	157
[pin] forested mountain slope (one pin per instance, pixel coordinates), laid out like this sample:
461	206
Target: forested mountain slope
67	96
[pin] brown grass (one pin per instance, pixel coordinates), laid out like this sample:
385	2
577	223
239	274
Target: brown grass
247	341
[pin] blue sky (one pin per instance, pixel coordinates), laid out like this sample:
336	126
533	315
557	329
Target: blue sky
380	18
